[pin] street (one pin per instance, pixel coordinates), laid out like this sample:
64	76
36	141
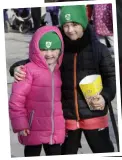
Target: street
17	49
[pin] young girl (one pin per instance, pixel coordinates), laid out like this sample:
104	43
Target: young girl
35	103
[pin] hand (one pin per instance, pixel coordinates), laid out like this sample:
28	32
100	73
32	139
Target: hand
98	102
19	75
25	132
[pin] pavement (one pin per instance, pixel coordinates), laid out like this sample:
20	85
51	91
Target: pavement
17	49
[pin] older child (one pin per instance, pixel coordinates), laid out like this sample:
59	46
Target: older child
35	103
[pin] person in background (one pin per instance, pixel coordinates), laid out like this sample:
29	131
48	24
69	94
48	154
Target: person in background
6	21
103	24
36	15
53	10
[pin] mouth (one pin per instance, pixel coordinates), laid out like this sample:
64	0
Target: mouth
49	58
71	34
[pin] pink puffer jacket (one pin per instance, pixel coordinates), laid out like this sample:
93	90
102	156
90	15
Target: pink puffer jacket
35	103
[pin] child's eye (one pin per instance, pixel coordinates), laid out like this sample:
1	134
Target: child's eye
75	24
43	49
52	50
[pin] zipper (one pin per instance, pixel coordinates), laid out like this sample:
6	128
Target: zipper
31	117
52	118
75	88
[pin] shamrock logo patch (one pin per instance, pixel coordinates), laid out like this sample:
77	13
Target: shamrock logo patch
68	17
48	44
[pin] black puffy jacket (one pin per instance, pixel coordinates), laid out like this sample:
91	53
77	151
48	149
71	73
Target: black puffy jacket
83	57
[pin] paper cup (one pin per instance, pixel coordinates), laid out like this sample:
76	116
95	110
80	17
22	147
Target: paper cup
91	86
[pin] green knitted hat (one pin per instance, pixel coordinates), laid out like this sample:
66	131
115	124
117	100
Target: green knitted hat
49	41
74	14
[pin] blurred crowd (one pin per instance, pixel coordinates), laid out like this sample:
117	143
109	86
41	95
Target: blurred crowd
30	19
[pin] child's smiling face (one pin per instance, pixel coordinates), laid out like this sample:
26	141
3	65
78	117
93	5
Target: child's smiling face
73	30
51	56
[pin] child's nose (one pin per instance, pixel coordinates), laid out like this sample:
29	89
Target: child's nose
49	53
70	29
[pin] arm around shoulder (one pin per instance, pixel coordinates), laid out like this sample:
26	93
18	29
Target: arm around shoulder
22	62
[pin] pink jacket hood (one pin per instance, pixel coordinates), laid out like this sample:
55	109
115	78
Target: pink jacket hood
34	51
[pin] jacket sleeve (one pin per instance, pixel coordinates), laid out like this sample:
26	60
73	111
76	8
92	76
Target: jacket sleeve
23	62
107	70
17	110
